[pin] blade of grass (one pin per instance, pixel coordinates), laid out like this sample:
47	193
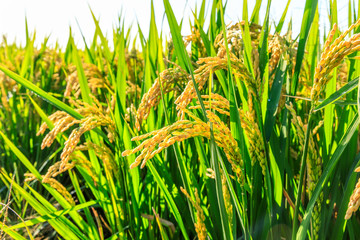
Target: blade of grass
255	13
104	41
274	97
264	62
338	94
53	215
246	37
10	232
282	19
180	50
41	93
308	16
84	87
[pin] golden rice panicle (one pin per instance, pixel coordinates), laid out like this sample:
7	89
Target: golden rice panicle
234	38
8	83
86	124
342	75
76	160
93	75
209	66
215	102
94	116
227	200
225	140
201	76
54	184
235	43
60	188
4	100
332	55
200	227
104	153
80	160
313	166
168	81
130	113
297	122
156	141
354	202
256	143
29	177
133	89
195	38
275	51
72	82
163	138
313	160
54	170
111	104
62	122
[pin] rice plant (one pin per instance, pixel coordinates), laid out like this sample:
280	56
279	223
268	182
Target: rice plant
237	131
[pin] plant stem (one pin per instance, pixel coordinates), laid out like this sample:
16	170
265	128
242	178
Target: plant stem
301	176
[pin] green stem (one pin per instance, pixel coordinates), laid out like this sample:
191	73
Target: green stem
301	176
267	180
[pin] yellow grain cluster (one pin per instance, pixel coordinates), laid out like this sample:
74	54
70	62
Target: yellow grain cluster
168	81
227	200
208	66
54	184
354	202
216	102
200	227
250	125
94	116
103	153
4	101
332	56
6	81
156	141
93	75
234	39
313	165
274	51
195	39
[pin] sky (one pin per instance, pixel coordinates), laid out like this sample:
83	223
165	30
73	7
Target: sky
50	17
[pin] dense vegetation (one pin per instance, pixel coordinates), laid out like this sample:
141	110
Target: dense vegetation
237	131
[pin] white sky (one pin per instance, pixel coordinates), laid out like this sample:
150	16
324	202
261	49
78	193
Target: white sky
50	17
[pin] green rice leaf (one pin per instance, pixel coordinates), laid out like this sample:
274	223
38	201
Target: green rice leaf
282	19
41	93
338	94
274	98
308	16
53	215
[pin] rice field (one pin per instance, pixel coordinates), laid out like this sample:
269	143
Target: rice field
237	131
